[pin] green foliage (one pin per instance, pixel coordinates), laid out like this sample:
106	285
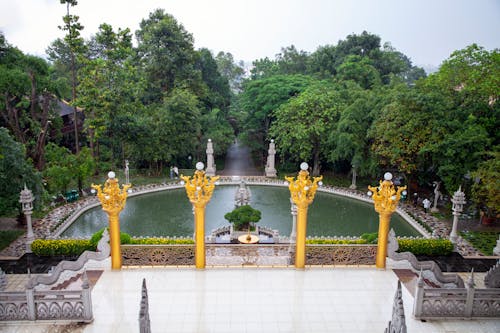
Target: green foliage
370	238
243	216
96	237
486	192
161	241
15	172
66	247
425	246
327	241
484	241
8	236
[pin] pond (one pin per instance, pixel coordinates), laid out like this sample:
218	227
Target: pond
169	213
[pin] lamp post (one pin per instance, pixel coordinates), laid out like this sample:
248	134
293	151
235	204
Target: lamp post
26	199
199	190
302	191
385	199
113	201
458	202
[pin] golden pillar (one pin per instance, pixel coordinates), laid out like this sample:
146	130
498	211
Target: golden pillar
199	190
302	191
385	199
113	201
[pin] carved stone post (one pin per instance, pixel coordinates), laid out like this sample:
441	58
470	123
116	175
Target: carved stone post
270	169
293	209
26	200
458	202
419	297
86	297
30	302
469	303
210	171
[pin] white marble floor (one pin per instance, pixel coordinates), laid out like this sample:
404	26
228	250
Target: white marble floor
254	300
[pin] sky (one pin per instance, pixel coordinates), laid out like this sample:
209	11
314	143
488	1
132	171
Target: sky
427	31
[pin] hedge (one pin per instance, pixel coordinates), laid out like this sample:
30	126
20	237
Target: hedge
425	246
161	240
67	247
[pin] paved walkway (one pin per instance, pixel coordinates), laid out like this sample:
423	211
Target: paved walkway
239	162
252	300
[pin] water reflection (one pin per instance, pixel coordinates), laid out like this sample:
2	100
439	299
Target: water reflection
169	213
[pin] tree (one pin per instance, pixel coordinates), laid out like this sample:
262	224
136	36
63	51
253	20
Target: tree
166	52
303	123
359	70
243	217
231	70
15	172
26	107
261	97
486	192
75	45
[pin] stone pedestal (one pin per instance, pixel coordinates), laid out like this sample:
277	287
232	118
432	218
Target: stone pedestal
270	169
353	182
210	171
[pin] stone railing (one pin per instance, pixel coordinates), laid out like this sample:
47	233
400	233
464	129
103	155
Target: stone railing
340	254
463	303
429	269
67	305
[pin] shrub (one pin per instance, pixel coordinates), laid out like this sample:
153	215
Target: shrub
66	247
425	246
96	237
335	241
161	240
371	238
243	216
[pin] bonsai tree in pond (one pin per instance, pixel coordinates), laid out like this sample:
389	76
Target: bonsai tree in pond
243	217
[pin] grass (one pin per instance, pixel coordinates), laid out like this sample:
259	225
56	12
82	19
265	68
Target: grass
8	236
484	241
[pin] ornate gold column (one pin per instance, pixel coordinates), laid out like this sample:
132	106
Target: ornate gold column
199	190
113	201
385	199
302	191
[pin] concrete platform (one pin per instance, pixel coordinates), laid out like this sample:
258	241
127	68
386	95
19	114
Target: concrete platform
236	300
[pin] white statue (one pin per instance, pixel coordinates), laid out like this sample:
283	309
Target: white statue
210	171
437	195
270	169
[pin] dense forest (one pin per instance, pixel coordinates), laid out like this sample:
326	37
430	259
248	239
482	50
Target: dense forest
352	104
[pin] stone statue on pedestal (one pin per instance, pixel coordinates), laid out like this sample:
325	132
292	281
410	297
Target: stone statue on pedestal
210	171
270	169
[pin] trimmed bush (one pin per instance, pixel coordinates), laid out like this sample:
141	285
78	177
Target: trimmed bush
424	246
161	240
66	247
335	241
124	237
371	238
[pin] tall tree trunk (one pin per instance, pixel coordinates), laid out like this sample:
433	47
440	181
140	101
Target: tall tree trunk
73	96
39	153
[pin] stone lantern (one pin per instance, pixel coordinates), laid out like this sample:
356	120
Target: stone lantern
26	199
458	202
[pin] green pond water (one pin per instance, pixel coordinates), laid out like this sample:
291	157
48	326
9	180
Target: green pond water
169	213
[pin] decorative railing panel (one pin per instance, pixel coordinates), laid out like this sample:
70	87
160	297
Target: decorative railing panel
157	255
465	303
244	254
68	305
340	254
